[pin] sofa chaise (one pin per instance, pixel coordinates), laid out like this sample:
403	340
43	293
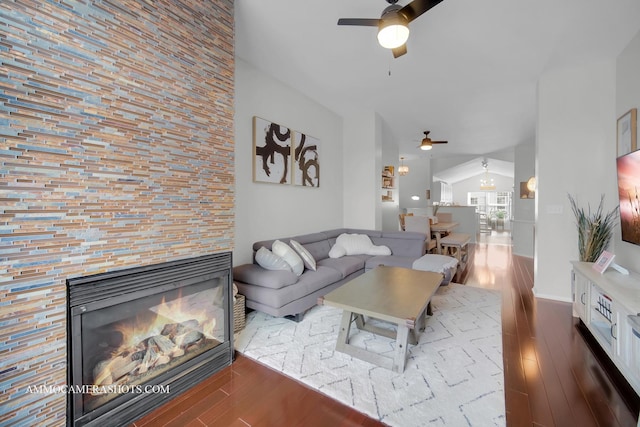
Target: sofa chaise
282	293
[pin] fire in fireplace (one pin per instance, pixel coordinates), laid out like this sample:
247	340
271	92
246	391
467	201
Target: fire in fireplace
167	325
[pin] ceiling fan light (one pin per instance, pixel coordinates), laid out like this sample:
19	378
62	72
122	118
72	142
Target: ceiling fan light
426	145
393	33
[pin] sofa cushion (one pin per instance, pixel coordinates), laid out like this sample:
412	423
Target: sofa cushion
309	282
345	265
403	243
253	274
289	256
307	258
267	259
391	261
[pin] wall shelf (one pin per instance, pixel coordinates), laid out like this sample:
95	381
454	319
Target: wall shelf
388	183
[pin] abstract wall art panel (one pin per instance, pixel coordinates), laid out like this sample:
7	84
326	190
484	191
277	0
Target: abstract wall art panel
306	163
271	152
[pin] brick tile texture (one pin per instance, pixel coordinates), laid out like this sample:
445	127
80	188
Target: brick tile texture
116	150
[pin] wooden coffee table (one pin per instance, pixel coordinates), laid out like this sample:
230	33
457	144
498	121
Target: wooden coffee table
401	296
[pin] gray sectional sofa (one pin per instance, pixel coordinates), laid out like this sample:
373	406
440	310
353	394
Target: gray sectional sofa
282	293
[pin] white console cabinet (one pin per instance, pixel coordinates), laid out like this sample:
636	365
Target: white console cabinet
608	305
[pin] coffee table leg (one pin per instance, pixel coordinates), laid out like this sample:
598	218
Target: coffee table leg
402	342
345	327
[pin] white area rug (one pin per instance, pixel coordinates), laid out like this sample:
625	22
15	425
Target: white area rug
453	377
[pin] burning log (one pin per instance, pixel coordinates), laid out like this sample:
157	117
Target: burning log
102	373
187	339
167	346
151	352
173	329
108	371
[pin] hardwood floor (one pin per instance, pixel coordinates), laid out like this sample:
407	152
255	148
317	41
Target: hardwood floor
551	376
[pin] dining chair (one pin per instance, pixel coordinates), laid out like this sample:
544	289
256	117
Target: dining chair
420	224
401	218
444	216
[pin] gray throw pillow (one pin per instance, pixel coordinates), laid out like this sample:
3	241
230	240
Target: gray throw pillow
307	258
270	261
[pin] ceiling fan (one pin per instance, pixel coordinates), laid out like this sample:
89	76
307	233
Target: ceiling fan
426	143
393	25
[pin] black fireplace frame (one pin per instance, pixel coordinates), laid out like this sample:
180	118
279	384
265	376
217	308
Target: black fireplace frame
106	289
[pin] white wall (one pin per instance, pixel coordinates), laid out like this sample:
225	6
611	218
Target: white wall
389	210
523	226
627	97
576	148
264	211
362	170
417	181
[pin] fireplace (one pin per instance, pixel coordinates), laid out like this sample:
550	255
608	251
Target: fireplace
141	336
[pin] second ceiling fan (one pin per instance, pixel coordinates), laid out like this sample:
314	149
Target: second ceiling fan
427	143
393	25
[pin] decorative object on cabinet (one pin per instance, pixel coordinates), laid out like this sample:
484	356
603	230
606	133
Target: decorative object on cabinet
271	151
603	261
388	183
594	229
626	135
306	165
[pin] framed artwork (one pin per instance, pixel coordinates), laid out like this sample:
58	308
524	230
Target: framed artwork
603	261
271	152
627	134
305	160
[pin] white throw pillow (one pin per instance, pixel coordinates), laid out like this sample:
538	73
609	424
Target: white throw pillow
289	255
354	244
360	244
307	258
337	251
270	261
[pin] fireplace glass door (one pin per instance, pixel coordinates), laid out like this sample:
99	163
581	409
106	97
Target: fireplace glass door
131	343
161	327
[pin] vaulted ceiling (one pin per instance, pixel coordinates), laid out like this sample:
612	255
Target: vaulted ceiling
470	73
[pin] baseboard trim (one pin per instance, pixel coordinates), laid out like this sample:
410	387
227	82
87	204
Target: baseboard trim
551	297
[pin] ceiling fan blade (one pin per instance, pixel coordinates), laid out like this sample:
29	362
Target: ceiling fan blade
417	8
399	51
364	22
439	142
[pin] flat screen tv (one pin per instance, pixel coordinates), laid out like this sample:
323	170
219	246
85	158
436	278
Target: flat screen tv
629	193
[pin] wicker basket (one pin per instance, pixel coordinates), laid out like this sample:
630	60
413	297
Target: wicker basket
238	313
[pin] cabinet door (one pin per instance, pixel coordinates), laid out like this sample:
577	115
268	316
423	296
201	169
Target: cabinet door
580	287
626	346
623	333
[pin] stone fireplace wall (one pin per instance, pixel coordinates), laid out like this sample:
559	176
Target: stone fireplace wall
116	150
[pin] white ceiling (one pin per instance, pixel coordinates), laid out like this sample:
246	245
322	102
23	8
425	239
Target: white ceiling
473	168
470	72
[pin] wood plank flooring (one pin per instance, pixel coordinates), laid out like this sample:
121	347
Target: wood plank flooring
551	376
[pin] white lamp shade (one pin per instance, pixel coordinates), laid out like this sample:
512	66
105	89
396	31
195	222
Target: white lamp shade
531	184
393	35
426	146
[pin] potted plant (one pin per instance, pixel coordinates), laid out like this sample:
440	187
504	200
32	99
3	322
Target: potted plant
594	229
